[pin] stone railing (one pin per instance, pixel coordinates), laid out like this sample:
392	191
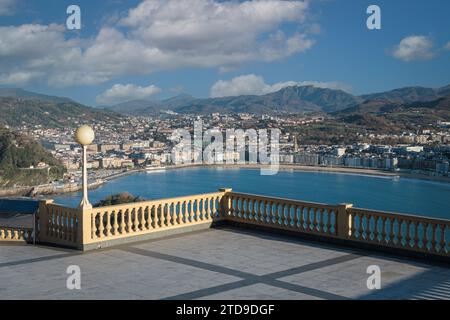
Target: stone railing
16	234
105	226
307	217
380	229
58	224
420	234
99	227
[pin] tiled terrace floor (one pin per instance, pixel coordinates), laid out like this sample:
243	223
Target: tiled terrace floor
216	264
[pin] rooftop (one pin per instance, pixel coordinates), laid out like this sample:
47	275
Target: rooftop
217	263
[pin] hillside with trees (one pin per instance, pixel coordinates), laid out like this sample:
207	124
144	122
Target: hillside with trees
24	162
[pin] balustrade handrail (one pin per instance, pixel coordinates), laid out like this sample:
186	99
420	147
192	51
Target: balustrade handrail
284	200
404	216
145	203
78	227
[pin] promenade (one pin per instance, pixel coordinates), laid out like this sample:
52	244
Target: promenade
218	263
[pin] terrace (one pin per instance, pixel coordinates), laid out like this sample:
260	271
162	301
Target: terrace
225	245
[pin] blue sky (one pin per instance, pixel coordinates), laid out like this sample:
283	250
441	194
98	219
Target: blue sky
154	49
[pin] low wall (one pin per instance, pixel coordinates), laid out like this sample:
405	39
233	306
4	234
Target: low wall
343	224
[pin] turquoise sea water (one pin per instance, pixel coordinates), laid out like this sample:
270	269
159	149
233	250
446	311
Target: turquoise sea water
400	195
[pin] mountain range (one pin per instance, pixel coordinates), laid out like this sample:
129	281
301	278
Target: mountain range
19	107
294	99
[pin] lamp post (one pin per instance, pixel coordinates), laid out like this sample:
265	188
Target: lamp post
84	136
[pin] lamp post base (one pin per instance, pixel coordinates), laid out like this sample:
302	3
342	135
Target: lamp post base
85	205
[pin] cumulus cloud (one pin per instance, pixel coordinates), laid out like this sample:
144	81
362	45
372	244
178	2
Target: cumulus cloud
447	46
7	7
414	48
252	84
120	93
156	35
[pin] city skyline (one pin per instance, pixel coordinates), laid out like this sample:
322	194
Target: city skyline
324	43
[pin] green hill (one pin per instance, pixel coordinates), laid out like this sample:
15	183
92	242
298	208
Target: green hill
34	111
18	154
382	115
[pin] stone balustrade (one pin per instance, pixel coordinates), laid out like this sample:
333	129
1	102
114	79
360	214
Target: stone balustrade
408	232
16	234
104	226
307	217
58	224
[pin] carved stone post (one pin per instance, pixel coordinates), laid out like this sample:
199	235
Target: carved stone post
41	227
344	222
225	203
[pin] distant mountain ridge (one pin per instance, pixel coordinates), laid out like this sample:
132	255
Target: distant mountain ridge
294	99
20	107
391	115
24	94
410	94
17	111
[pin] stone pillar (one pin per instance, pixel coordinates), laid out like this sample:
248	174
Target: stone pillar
84	230
225	202
42	221
343	220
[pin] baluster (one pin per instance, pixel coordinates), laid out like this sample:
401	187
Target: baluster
128	220
267	210
206	208
391	233
114	228
69	227
377	228
189	210
364	228
321	223
197	210
295	217
177	211
426	238
139	218
288	217
416	225
408	233
254	203
308	218
302	218
171	209
282	215
401	234
433	238
329	215
63	226
184	212
100	225
285	215
108	223
275	213
442	241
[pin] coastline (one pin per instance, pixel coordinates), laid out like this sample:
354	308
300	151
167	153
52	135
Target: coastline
35	191
300	168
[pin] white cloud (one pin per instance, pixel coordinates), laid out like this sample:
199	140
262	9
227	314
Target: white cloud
447	46
120	93
156	35
252	84
7	7
414	48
